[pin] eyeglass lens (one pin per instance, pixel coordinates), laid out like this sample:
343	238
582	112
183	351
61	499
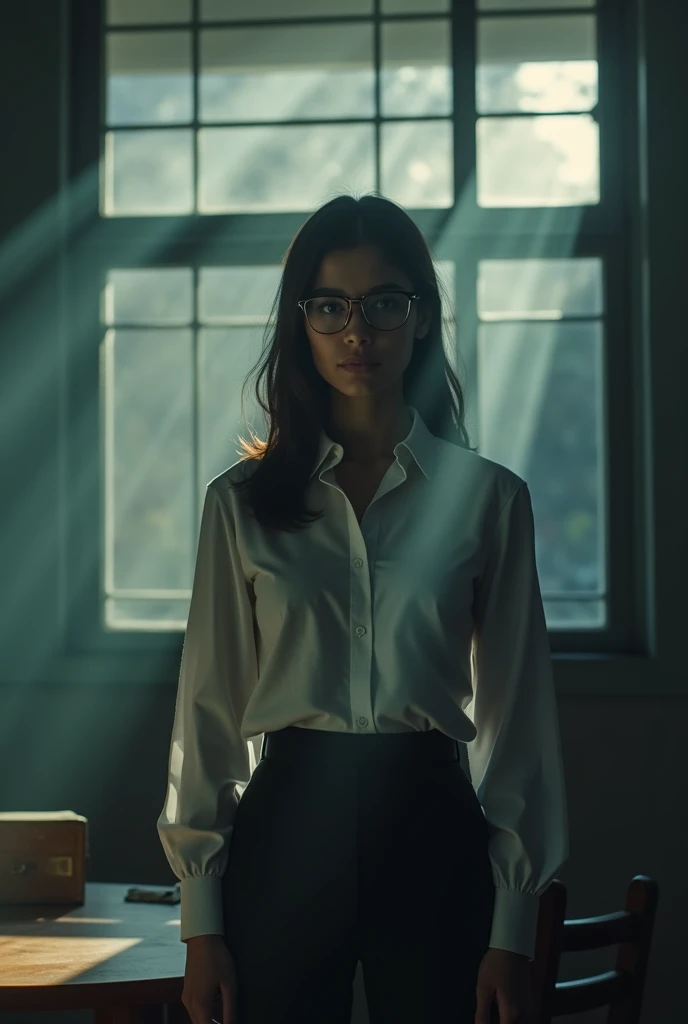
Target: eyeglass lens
385	311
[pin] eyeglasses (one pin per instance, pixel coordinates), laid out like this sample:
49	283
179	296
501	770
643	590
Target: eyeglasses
384	311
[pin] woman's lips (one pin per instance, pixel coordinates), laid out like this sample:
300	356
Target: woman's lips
359	367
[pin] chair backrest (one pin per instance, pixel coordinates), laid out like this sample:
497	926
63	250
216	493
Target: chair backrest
621	989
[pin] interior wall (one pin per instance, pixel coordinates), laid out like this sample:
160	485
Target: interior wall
625	757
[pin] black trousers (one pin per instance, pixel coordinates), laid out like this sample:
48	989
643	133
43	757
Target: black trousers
349	848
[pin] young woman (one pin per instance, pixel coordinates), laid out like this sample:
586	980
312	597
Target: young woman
366	599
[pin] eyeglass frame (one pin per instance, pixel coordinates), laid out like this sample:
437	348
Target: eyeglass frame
399	291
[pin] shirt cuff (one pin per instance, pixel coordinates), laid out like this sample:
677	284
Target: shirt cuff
514	921
201	903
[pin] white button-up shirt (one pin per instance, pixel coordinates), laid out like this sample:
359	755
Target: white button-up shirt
427	615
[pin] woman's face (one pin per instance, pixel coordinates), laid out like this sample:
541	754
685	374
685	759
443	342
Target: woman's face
352	273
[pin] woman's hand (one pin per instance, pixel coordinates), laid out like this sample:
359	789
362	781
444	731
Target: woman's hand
210	981
505	977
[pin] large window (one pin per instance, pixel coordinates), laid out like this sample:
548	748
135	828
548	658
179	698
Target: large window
220	124
213	117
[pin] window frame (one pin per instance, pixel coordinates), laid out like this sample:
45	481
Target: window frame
607	230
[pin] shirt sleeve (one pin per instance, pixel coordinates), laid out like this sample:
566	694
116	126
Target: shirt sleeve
515	759
208	755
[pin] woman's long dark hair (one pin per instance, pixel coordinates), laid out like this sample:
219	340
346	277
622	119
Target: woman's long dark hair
296	396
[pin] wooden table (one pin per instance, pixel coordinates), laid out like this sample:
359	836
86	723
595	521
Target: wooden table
123	960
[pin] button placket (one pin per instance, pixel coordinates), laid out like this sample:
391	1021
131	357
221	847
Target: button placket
361	638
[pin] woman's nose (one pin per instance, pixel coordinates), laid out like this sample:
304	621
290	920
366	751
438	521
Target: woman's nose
357	322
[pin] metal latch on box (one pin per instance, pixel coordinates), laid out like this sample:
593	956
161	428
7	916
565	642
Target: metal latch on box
62	866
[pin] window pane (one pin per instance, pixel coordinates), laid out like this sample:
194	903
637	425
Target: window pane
149	12
148	295
414	6
227	354
148	77
540	409
251	10
538	64
148	172
537	161
289	73
417	165
416	73
147	389
524	5
542	288
293	168
237	294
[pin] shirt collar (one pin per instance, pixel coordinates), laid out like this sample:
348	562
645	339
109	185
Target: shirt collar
419	444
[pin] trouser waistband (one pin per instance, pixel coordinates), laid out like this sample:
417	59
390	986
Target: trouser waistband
296	743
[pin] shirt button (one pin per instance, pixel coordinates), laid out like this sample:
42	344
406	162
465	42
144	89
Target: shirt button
363	722
360	630
358	562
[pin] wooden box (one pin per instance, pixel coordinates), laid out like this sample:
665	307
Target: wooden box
43	857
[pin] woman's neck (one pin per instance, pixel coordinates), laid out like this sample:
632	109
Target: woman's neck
373	440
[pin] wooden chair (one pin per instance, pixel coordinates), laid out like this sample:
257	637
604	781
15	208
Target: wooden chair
621	989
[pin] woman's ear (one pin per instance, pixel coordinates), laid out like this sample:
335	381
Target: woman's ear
422	322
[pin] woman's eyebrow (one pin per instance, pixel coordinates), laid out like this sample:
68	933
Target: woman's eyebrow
340	291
